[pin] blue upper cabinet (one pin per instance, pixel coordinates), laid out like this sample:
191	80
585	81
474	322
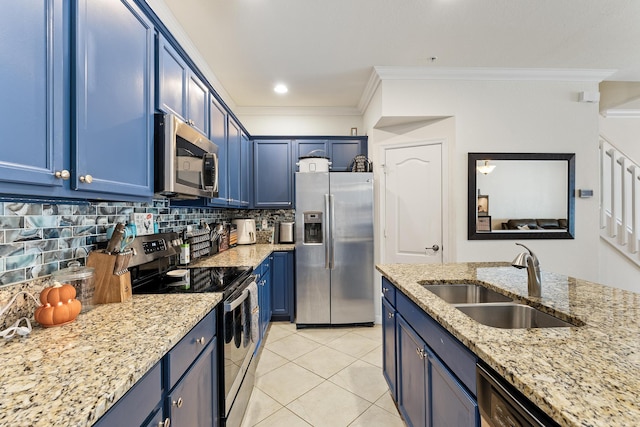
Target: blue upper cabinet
246	151
112	148
342	153
180	91
32	84
273	174
233	163
218	134
310	147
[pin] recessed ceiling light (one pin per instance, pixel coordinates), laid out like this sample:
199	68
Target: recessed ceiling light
280	88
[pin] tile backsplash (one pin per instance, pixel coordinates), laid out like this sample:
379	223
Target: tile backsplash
39	238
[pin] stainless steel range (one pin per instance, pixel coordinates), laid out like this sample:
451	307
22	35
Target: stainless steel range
154	270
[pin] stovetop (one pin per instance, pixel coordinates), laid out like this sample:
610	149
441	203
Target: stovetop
203	279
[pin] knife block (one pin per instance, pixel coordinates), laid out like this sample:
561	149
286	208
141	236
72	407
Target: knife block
109	287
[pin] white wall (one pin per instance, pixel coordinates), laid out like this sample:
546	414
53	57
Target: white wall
304	124
507	116
615	269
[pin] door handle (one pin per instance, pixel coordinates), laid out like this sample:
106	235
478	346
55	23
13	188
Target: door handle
434	248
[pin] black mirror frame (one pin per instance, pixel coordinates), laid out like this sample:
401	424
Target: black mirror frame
473	234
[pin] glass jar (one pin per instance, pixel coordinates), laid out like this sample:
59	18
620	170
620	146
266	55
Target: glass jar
82	279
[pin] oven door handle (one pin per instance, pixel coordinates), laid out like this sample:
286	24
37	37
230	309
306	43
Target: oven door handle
230	306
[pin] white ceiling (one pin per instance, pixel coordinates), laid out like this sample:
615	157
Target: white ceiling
325	50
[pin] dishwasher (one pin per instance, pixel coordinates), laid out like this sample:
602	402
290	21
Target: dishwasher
501	405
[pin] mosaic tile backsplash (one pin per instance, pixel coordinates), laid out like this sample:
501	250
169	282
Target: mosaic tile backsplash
37	239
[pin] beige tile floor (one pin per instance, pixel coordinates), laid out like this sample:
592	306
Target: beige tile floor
321	377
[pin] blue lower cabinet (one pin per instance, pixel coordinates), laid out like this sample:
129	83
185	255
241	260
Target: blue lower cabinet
139	403
428	370
193	401
451	404
282	286
413	374
264	296
389	368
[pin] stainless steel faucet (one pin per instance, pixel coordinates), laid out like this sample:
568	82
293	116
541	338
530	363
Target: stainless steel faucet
531	263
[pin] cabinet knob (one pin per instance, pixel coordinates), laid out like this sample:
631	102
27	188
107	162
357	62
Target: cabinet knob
165	423
385	289
63	174
178	402
200	340
87	179
390	315
420	353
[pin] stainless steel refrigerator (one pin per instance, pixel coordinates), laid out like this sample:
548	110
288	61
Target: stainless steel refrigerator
334	248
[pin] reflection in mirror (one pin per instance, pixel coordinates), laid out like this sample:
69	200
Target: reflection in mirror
521	196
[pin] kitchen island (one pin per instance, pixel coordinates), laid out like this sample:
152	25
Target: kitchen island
580	376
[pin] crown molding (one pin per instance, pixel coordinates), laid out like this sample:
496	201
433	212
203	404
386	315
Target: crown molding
297	111
369	90
620	114
533	74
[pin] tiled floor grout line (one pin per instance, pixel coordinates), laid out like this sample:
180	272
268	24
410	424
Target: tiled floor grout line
279	332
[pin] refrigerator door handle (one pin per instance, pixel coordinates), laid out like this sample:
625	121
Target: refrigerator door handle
332	231
327	236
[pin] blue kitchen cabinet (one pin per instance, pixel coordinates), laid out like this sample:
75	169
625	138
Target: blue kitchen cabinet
264	296
218	135
389	369
112	147
282	286
310	147
33	111
273	174
143	401
234	148
413	375
193	401
246	169
342	152
431	375
180	91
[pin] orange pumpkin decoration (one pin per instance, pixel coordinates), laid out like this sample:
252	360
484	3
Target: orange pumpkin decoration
59	305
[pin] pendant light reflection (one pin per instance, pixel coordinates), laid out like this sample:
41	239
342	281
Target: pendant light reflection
486	168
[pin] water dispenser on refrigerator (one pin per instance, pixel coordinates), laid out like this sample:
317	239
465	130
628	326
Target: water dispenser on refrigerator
312	227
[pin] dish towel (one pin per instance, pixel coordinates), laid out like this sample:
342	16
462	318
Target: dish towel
255	312
237	326
246	322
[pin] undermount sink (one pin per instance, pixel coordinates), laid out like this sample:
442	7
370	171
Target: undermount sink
511	316
466	293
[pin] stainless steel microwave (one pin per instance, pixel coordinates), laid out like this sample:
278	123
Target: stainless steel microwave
186	161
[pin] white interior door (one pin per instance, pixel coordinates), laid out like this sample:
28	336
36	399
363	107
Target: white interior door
413	229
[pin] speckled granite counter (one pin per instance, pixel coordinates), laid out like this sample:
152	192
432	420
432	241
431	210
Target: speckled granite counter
70	375
245	255
581	376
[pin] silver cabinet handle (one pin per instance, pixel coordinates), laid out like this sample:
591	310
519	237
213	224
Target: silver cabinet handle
420	353
200	340
87	179
63	174
178	403
390	315
385	290
165	423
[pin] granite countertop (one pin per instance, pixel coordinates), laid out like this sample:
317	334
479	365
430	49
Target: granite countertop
72	374
242	255
580	376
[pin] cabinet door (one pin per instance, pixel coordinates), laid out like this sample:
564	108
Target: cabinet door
343	151
246	150
198	103
233	150
113	148
282	286
309	147
193	401
172	80
451	404
264	296
389	347
32	84
218	135
412	375
273	180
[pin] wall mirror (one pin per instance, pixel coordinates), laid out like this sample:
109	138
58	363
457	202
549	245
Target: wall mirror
521	196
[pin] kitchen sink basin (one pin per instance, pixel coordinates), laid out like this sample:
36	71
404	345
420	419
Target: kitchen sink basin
466	293
511	316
